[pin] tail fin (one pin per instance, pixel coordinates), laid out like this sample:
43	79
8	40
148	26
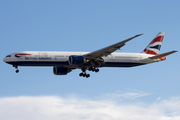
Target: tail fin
154	47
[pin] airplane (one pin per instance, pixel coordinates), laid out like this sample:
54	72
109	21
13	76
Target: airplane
64	62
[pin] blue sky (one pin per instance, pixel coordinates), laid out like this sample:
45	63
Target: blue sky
88	26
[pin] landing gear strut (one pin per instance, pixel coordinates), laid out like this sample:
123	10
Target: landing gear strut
84	73
16	68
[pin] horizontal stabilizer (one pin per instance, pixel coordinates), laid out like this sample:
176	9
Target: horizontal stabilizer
162	55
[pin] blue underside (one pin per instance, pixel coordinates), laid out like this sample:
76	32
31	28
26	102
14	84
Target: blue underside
120	64
54	63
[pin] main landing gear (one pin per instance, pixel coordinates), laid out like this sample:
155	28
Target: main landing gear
84	74
93	69
16	68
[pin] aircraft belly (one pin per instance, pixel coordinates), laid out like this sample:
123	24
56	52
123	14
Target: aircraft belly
121	64
122	61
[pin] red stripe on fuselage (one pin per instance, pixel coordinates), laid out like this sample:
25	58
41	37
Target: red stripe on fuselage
23	54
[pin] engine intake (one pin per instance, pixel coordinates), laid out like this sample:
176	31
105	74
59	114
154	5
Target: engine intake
61	70
76	60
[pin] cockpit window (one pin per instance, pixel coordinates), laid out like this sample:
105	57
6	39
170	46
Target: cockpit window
8	56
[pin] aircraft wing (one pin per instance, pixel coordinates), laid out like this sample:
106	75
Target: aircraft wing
108	50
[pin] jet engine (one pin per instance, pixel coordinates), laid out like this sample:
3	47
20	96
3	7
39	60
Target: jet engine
76	60
61	70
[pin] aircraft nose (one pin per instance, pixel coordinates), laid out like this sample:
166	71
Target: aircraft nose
4	60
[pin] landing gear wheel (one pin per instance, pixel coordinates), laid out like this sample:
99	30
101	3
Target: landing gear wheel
17	71
84	75
96	70
87	75
93	69
81	74
90	69
83	69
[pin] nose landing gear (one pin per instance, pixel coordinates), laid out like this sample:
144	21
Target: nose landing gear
17	71
16	68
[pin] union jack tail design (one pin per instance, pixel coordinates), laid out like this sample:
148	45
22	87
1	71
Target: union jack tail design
154	47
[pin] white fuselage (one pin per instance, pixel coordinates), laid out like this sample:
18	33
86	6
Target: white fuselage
46	58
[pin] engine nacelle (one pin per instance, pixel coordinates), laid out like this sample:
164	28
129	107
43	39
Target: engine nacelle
61	70
76	60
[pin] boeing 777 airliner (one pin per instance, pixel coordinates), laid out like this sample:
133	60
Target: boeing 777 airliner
65	62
